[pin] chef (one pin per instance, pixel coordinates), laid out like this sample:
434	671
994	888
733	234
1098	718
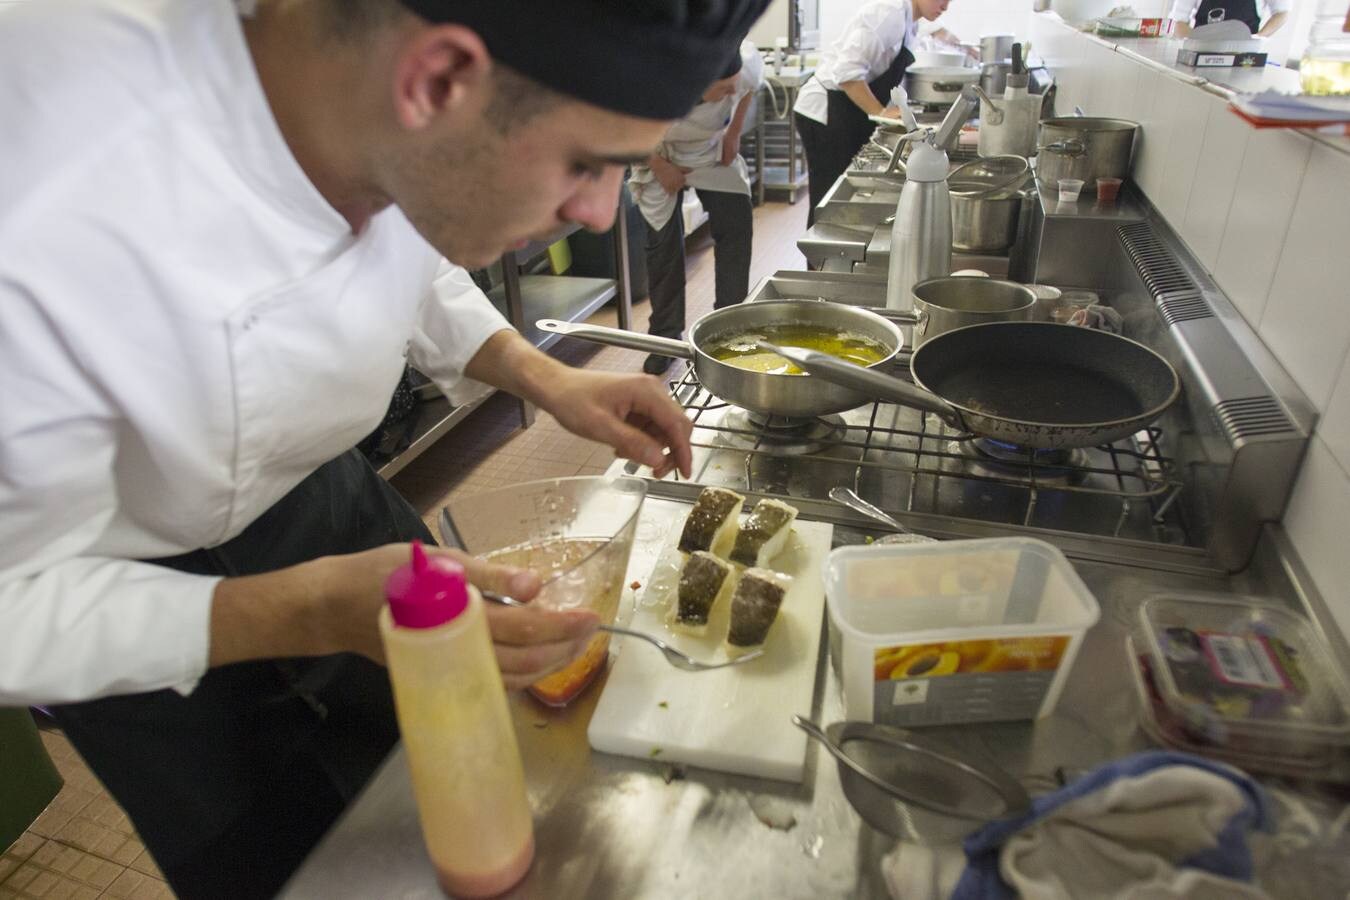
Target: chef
1188	14
853	81
701	151
225	231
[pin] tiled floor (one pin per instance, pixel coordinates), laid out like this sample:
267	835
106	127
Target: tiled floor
83	846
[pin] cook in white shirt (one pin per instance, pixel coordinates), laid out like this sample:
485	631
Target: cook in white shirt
854	81
701	151
222	240
1188	14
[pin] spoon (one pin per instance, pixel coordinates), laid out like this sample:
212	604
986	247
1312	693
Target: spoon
850	499
674	657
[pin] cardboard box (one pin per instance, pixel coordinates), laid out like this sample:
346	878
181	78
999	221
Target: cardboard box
1223	59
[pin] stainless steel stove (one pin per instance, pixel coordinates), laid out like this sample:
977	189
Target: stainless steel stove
1189	493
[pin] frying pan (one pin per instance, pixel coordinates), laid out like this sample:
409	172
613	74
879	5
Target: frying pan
1036	384
795	396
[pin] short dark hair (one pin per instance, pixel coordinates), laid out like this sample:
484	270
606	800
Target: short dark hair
517	98
349	20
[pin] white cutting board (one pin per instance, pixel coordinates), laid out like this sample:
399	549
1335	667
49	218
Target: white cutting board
737	719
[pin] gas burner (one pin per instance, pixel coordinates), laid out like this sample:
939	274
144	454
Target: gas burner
1062	466
779	435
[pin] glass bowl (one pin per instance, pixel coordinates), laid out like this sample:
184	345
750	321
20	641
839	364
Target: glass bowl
576	533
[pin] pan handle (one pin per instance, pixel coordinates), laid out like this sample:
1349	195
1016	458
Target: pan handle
893	390
617	337
895	315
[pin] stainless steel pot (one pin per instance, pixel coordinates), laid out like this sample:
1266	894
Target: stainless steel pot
1084	148
793	396
938	85
943	304
984	224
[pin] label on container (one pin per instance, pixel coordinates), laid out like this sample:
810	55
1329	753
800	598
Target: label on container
964	681
1243	659
1027	654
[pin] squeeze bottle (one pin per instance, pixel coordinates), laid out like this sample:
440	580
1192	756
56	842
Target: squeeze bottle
452	711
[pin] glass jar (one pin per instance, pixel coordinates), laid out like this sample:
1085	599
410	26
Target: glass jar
1325	66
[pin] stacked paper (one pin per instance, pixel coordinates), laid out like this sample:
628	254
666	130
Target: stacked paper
1292	110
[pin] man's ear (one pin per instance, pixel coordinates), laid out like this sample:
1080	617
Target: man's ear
440	69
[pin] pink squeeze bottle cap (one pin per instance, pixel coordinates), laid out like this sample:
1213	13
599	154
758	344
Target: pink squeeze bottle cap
427	592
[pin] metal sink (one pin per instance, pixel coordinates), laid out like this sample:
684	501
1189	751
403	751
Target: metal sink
861	201
840	287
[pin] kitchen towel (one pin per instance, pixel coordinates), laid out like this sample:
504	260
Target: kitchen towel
1156	825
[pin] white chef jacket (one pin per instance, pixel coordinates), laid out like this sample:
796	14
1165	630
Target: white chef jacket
695	142
1184	10
863	52
187	330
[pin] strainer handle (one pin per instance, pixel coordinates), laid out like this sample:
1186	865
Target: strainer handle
838	753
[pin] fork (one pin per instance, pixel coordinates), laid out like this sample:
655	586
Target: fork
676	658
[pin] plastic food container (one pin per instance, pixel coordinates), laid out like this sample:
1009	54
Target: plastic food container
1243	676
1108	189
1069	189
959	631
1164	727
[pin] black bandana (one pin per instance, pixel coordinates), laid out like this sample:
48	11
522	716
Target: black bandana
647	58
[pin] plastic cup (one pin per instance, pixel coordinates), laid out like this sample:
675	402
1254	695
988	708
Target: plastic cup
1107	190
576	533
1069	189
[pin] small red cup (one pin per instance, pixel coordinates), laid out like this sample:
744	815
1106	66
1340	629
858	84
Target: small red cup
1107	190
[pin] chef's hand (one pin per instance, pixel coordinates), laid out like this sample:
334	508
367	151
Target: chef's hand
671	176
530	643
634	414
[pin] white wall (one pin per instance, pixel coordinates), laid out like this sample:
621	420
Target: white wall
1267	213
967	19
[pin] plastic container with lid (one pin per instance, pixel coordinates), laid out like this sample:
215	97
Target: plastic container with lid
1243	676
958	631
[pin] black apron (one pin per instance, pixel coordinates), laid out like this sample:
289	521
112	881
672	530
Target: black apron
831	147
1212	11
849	123
232	785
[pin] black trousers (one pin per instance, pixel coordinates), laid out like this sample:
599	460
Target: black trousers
828	151
230	786
731	219
830	148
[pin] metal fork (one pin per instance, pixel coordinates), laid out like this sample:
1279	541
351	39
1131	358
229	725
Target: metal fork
674	657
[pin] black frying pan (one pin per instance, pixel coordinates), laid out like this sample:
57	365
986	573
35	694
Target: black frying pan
1037	384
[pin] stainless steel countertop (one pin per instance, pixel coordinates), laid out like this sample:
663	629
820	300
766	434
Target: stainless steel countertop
607	826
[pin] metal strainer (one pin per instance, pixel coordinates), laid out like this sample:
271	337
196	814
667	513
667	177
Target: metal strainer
915	787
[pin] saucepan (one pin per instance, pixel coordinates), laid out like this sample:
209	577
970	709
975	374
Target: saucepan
1039	385
951	302
767	393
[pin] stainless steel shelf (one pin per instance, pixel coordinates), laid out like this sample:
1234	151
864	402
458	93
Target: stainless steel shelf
565	297
434	418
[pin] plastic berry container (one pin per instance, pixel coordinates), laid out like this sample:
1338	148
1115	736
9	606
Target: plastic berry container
1244	676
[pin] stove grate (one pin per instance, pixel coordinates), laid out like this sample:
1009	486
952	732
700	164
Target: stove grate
1134	471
